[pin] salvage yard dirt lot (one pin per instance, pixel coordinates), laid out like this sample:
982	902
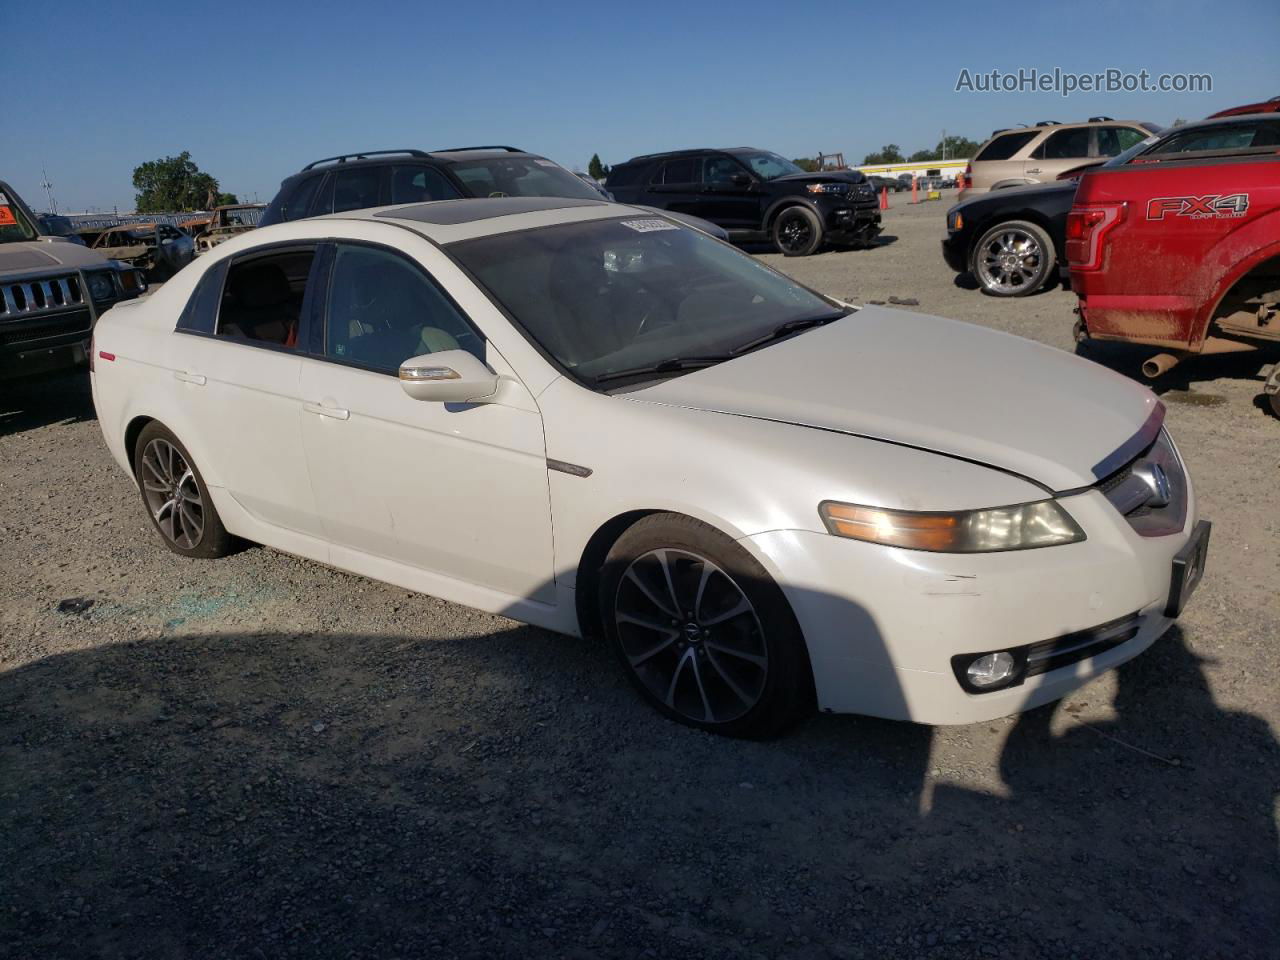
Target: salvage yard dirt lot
264	757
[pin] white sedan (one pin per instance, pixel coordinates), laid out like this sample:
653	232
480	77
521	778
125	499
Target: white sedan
592	419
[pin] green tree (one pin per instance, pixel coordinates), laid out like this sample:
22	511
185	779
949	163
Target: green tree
889	153
920	156
957	148
225	200
596	169
173	184
807	164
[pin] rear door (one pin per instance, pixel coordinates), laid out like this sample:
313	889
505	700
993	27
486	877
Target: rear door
1002	159
677	185
1059	152
240	383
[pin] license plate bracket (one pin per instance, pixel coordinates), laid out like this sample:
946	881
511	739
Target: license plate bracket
1188	568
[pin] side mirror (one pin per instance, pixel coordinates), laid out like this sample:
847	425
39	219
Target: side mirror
741	180
450	376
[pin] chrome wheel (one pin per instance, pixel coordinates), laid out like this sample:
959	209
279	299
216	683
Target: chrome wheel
1010	262
691	635
172	494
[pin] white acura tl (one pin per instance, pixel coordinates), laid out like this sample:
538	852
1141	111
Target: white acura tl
598	421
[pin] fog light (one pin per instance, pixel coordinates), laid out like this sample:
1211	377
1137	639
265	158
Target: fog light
991	669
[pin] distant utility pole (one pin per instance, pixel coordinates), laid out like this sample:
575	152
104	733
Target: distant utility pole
944	143
48	190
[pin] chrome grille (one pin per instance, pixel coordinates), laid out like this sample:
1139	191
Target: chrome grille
1132	496
28	298
862	191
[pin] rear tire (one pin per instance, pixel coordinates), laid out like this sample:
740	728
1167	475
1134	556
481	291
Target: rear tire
175	496
797	232
702	630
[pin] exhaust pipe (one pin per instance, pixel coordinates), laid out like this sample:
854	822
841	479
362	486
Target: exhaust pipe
1159	365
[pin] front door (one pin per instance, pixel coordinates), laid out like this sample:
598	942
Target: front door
730	196
459	490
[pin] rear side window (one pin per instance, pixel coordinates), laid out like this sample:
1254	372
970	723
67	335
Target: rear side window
683	170
1064	145
263	296
1006	145
625	175
298	203
356	189
414	184
1236	136
202	309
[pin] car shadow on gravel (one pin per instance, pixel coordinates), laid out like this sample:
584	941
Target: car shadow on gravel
27	404
506	794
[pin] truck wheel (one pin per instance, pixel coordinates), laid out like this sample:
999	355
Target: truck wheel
1013	259
797	232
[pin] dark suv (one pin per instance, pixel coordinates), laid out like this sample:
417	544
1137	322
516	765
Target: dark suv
382	177
755	195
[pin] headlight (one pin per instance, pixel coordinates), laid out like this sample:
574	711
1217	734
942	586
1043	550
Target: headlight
1020	527
101	286
828	188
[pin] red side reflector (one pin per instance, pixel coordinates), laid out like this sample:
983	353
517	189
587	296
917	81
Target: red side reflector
106	356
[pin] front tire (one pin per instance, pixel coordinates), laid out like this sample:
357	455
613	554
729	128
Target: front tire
175	496
797	232
702	630
1013	259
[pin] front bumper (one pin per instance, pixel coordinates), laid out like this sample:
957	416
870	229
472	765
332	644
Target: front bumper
882	624
852	223
955	251
39	360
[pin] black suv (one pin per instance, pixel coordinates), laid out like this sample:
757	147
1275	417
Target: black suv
755	195
382	177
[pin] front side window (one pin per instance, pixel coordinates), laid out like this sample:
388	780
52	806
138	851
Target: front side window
420	184
720	171
1113	141
382	310
262	298
608	296
520	176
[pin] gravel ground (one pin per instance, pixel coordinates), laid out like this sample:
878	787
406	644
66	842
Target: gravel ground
262	757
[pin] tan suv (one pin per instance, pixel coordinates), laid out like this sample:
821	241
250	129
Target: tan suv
1016	157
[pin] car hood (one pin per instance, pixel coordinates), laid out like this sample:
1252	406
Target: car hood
1012	196
839	176
37	256
940	385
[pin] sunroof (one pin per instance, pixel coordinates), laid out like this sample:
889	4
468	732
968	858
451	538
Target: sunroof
469	211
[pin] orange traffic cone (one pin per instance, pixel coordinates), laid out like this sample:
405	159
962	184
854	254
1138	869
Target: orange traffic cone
884	198
913	190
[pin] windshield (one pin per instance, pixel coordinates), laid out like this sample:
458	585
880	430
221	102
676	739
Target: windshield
521	177
768	166
617	295
125	238
14	225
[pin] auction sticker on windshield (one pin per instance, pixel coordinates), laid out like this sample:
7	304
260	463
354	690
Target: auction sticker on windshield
648	226
7	218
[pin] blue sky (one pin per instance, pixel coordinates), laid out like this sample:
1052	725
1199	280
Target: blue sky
93	89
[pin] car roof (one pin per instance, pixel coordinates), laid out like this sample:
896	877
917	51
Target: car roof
449	221
382	158
692	150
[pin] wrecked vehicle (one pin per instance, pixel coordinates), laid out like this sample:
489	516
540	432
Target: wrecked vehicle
1180	248
51	293
227	222
158	249
195	227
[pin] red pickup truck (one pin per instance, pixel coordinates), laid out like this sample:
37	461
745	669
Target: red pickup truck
1180	246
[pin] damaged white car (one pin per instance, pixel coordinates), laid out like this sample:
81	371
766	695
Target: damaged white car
588	418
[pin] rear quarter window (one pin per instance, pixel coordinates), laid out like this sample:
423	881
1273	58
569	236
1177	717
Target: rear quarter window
1006	145
202	309
626	175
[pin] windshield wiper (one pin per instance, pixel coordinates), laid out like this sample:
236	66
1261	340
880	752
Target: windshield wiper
791	326
672	365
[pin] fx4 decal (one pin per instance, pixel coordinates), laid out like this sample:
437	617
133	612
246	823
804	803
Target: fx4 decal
1214	206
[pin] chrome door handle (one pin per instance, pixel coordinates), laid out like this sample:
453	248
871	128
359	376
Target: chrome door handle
197	378
336	412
